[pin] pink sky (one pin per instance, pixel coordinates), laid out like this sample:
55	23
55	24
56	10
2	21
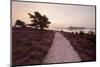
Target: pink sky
61	16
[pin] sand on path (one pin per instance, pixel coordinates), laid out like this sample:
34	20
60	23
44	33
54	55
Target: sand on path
61	51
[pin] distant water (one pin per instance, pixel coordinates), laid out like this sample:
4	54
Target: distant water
84	30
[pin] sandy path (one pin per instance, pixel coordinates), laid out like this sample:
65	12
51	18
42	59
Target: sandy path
61	51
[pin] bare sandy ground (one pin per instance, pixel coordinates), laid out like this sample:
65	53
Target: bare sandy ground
61	51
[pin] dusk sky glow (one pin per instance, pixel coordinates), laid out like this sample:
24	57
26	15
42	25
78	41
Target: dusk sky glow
61	16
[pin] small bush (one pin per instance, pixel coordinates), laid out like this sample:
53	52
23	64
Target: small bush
81	33
20	23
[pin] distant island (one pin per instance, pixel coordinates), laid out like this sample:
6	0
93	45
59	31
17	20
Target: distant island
73	28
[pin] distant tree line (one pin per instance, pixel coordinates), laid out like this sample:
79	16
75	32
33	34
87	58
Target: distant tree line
83	33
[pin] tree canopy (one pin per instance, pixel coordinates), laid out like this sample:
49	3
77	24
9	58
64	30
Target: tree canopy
39	21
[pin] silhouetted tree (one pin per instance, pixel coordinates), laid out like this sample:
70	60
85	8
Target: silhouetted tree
20	23
39	21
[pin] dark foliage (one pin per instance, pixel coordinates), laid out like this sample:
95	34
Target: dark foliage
81	33
20	23
39	21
